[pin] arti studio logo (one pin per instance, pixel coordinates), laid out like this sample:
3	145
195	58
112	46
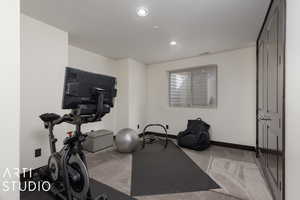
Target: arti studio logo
11	181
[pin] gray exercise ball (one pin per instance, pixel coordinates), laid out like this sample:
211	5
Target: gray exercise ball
127	140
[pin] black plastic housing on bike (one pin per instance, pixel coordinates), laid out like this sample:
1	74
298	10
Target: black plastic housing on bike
75	119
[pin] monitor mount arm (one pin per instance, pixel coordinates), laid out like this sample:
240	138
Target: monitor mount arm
100	104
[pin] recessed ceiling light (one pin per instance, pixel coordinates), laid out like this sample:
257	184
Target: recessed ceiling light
142	11
155	27
173	43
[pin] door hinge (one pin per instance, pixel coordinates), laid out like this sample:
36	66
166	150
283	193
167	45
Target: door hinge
279	60
280	186
279	123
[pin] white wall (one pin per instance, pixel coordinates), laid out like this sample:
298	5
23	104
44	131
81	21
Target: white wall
292	154
92	62
45	53
131	98
137	94
122	100
10	91
44	56
233	120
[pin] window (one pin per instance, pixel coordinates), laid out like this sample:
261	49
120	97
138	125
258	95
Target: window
194	87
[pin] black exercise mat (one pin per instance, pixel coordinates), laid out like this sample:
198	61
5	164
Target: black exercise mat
96	187
156	170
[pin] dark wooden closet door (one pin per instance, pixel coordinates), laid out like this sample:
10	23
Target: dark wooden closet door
271	98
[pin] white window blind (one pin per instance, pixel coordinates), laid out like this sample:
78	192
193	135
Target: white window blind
193	87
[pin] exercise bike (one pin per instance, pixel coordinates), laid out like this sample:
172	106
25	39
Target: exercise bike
67	169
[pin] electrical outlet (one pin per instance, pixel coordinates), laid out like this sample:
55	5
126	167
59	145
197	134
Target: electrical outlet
167	126
37	152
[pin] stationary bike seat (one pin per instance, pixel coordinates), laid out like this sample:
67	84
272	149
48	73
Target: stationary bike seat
49	117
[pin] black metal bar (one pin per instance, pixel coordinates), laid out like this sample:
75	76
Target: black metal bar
52	139
159	125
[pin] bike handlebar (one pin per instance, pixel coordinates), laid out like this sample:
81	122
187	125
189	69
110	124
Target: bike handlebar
52	119
64	118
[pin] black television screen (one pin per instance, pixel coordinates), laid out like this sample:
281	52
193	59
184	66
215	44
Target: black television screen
80	86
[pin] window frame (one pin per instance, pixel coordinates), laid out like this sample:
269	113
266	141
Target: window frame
190	69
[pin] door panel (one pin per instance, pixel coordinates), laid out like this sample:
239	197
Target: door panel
262	100
261	77
281	61
272	157
270	105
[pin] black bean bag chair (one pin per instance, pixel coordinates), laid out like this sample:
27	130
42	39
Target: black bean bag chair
196	135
